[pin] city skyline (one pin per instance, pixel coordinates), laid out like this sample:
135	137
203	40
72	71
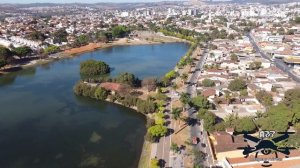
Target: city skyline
78	1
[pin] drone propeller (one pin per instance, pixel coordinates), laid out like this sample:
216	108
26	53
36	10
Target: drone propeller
285	132
284	136
251	138
246	148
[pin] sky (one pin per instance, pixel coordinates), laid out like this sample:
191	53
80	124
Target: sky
71	1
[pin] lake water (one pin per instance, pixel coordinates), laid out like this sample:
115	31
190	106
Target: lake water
44	125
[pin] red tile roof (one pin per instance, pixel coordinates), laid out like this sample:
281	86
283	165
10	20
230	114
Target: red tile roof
111	86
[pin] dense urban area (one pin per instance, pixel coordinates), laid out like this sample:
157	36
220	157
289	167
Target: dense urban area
240	75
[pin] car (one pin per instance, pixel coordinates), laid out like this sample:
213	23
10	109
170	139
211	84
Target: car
195	140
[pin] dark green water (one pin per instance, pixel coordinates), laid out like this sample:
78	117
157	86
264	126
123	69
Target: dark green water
43	125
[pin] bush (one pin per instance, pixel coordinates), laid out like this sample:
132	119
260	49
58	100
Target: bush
101	93
145	106
82	89
264	98
127	78
208	83
237	85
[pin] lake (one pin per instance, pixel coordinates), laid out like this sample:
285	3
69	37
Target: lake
44	125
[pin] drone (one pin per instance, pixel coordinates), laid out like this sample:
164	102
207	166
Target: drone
266	146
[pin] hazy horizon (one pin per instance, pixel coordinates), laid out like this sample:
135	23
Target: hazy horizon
78	1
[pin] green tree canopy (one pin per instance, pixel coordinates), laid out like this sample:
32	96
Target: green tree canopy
101	93
22	51
237	85
170	75
146	106
185	98
208	83
200	102
265	98
60	36
127	78
37	36
92	68
176	113
158	130
255	65
5	54
81	40
234	57
120	31
245	124
276	118
51	49
154	163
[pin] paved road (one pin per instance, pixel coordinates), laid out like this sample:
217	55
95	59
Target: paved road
196	129
163	147
277	62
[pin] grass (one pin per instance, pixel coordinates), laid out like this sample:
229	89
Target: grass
145	156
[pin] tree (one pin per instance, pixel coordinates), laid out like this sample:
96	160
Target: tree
265	98
176	113
210	120
200	102
149	83
185	99
145	106
184	77
158	130
291	96
228	97
174	147
22	51
120	31
101	93
130	100
237	85
154	163
127	78
208	83
60	36
81	40
90	68
255	65
170	75
297	20
5	54
277	118
245	124
244	92
37	36
199	157
234	57
51	49
159	118
2	63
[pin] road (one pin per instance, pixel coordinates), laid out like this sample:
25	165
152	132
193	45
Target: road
196	129
277	62
163	146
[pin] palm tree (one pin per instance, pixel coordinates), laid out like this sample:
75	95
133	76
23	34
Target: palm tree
184	77
176	114
185	99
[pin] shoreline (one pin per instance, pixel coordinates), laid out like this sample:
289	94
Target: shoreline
70	53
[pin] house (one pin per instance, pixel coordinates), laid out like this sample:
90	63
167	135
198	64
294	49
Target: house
113	87
225	145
